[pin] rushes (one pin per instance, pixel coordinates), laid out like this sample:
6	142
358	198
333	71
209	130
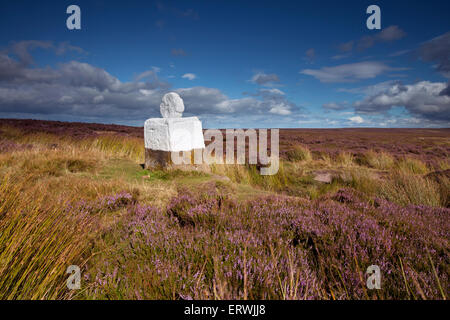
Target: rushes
131	148
38	242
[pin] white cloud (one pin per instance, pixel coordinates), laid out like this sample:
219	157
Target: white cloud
203	100
189	76
349	72
272	91
264	79
423	99
356	119
80	91
281	109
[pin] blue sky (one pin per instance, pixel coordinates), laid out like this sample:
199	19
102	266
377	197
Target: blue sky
235	63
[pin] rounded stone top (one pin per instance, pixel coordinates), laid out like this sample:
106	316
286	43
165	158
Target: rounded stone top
172	105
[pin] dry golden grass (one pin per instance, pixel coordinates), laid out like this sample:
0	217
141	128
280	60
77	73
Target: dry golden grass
345	159
42	228
379	160
444	164
325	160
299	153
39	239
405	189
412	166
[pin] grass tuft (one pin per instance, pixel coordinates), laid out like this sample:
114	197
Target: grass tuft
299	153
411	165
406	189
379	160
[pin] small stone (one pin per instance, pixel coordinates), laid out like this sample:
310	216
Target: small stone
323	177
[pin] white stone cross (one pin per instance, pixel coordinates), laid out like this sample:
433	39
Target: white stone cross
172	132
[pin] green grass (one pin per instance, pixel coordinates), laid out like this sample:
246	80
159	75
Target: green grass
123	168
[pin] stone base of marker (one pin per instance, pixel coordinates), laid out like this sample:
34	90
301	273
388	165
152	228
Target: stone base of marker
156	159
160	160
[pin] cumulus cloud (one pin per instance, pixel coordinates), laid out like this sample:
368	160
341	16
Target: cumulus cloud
76	90
437	50
281	109
210	100
79	90
264	79
189	76
356	119
349	72
423	100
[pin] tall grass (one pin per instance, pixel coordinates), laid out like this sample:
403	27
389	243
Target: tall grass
379	160
444	164
345	159
110	144
299	153
412	165
128	147
406	189
362	179
38	241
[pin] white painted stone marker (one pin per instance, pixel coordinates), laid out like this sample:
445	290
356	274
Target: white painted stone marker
171	133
